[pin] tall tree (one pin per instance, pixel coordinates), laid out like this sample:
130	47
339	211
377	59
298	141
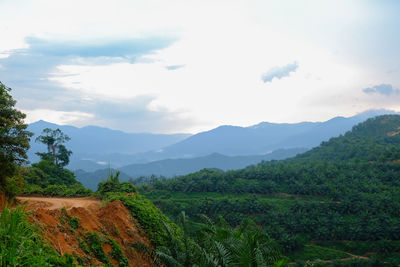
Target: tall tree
56	151
14	138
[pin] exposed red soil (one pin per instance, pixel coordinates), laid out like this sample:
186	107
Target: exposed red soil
393	133
58	203
111	221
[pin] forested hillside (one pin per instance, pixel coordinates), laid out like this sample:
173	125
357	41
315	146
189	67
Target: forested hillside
346	189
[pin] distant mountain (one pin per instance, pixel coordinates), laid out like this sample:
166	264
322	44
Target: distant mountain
98	144
262	138
96	147
175	167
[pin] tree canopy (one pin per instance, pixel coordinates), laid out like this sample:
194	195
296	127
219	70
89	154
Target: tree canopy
14	138
56	151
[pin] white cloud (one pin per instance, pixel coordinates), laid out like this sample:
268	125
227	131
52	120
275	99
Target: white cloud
224	47
58	117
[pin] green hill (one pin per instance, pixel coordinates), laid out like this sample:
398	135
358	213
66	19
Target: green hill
345	190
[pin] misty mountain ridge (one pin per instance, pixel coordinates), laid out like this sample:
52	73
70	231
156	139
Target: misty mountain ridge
264	137
97	147
175	167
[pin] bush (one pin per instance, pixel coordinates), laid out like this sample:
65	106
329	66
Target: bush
76	190
112	185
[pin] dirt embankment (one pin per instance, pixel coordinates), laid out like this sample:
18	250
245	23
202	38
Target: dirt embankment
69	224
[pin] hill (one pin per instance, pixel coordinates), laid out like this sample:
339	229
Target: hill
342	196
263	137
173	167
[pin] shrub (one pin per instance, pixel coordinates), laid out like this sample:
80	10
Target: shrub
112	185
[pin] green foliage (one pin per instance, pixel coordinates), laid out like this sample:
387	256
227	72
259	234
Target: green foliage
112	185
93	240
117	254
345	189
20	244
151	219
219	245
15	184
46	173
74	222
313	252
45	178
76	190
14	138
56	151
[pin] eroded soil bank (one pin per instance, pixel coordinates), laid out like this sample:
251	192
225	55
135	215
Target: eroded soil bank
93	234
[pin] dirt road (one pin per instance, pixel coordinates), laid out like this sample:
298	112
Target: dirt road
58	203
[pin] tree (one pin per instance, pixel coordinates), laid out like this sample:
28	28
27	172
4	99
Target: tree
14	138
56	151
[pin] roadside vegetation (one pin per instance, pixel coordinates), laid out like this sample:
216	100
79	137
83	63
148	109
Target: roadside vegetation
22	245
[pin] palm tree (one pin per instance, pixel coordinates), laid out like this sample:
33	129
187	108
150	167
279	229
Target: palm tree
212	245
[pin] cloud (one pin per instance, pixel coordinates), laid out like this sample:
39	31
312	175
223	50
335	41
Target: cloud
30	71
383	89
116	48
30	67
55	116
174	67
130	115
279	72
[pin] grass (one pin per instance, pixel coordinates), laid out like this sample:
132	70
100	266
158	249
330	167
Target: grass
21	244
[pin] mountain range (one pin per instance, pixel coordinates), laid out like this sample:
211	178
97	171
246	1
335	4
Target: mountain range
97	148
175	167
94	146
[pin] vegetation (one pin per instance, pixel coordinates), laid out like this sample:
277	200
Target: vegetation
219	245
21	244
112	184
345	189
14	140
49	177
151	219
56	151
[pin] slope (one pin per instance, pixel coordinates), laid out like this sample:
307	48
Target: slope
263	138
343	194
92	234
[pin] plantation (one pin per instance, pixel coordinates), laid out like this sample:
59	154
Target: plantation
345	189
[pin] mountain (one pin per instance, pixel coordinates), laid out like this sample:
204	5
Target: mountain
95	147
103	145
173	167
263	137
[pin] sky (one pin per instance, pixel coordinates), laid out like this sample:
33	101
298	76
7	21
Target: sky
189	66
